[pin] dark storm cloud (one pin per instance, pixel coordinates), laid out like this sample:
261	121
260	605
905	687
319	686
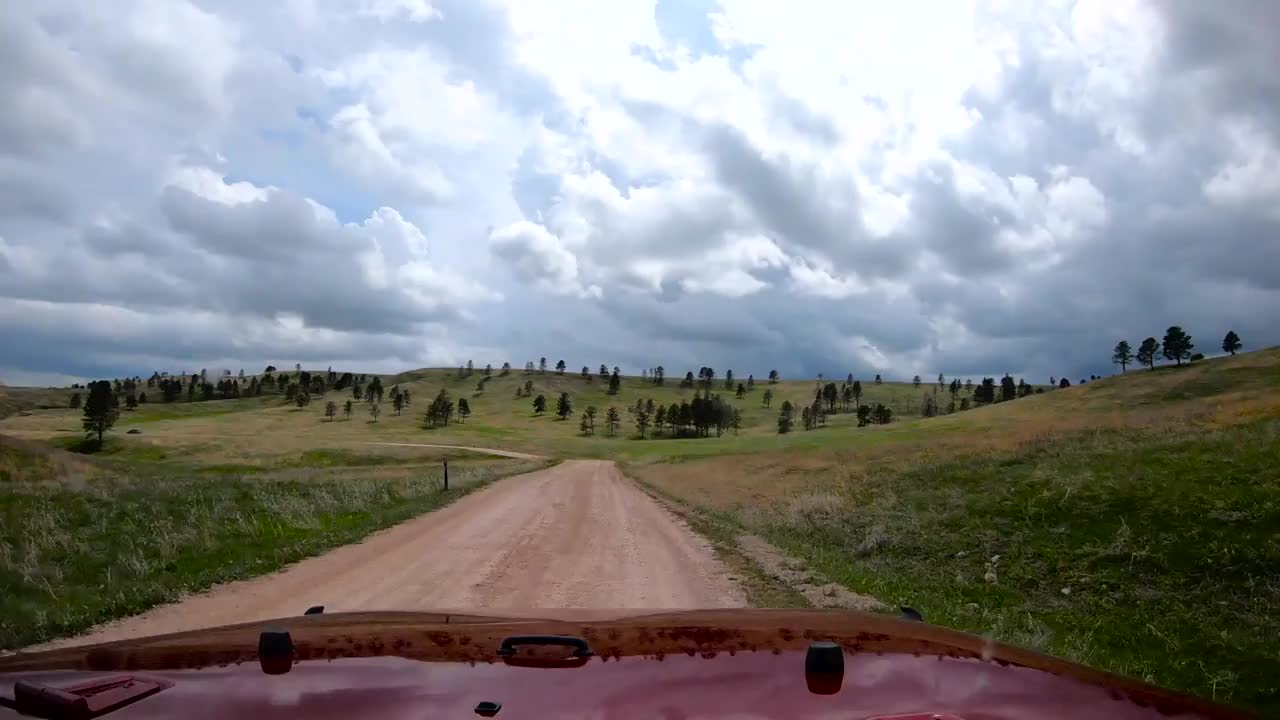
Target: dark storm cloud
1234	48
279	254
1019	131
801	208
690	318
37	119
126	342
129	236
29	192
961	230
285	226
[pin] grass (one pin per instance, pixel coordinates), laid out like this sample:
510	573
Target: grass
15	400
253	427
1151	556
1134	523
74	556
159	411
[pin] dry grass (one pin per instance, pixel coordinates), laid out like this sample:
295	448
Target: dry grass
15	400
26	461
1137	403
819	593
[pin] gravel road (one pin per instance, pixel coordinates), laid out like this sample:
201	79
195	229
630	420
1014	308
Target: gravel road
485	451
577	535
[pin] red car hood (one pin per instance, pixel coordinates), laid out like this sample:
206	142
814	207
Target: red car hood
703	664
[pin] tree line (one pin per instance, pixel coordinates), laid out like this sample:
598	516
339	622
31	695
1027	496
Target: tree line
199	387
1176	345
704	413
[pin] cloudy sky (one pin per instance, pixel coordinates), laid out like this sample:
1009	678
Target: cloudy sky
907	187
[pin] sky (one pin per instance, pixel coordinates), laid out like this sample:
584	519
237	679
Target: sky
972	188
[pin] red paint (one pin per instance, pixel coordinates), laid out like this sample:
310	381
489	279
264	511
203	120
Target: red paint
742	685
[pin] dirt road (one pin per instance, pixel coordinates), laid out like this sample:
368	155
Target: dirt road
577	535
485	451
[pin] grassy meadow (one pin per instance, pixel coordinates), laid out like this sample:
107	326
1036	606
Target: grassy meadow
266	428
15	400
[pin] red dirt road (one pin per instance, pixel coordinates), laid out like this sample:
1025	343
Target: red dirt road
577	535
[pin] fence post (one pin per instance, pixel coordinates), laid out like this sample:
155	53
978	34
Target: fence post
446	473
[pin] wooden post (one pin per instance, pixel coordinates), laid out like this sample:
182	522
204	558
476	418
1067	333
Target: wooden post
446	473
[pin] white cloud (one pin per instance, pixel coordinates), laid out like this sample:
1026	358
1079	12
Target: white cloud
809	280
360	149
210	185
1251	177
537	256
966	179
390	10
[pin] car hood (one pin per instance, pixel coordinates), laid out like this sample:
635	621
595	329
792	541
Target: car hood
707	664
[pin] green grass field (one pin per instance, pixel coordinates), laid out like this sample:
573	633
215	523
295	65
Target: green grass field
1132	523
253	428
89	539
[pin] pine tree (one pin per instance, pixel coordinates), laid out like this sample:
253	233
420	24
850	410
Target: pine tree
785	417
1147	352
100	411
1122	355
1231	343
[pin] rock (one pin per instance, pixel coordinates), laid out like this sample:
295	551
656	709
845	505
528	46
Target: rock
990	577
960	555
995	559
133	431
1066	591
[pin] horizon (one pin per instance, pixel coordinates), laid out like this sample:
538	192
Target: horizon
925	378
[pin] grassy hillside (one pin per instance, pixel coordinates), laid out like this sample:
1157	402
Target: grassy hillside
1132	524
256	428
15	400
